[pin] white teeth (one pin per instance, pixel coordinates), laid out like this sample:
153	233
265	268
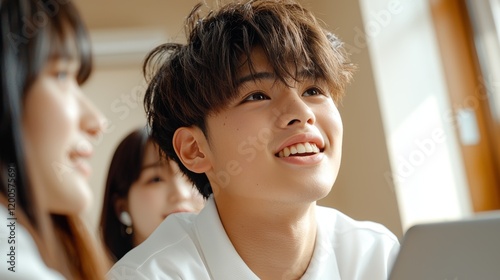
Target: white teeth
308	146
299	148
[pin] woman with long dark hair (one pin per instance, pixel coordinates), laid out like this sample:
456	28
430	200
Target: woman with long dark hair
142	189
46	125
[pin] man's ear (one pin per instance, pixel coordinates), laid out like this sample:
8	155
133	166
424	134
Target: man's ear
190	146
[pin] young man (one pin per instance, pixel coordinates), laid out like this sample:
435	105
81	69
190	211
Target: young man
248	109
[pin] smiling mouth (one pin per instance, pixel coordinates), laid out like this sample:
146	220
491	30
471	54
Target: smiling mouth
81	166
299	149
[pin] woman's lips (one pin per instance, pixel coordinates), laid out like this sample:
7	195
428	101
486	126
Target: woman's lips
83	166
79	158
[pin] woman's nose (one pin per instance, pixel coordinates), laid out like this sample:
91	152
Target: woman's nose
180	191
93	121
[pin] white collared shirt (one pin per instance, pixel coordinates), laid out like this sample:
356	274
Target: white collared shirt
189	246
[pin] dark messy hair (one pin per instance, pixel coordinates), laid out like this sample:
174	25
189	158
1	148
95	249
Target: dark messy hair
190	81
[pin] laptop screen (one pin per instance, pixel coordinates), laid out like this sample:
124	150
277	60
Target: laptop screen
457	250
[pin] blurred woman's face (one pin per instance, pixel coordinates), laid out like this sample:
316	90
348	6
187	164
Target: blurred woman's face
58	123
161	190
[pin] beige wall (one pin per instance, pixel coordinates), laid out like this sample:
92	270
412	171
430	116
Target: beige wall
361	190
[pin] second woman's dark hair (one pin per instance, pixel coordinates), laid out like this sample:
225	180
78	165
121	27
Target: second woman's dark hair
124	170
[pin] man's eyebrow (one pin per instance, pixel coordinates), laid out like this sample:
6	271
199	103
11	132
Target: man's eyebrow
255	76
304	74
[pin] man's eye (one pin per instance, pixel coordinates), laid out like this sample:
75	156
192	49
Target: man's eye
312	91
256	97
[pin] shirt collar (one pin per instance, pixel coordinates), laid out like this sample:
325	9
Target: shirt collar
223	262
323	263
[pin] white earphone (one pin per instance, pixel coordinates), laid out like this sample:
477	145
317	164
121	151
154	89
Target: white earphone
125	218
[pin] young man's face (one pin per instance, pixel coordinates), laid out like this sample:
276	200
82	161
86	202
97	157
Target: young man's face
275	142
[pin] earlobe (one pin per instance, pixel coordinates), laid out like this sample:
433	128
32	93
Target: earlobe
189	146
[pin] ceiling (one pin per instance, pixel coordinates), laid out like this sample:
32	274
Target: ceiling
112	14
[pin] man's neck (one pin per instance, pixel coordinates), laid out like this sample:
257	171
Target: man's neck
275	241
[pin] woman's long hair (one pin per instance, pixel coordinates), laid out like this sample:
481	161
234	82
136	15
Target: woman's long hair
32	33
124	170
